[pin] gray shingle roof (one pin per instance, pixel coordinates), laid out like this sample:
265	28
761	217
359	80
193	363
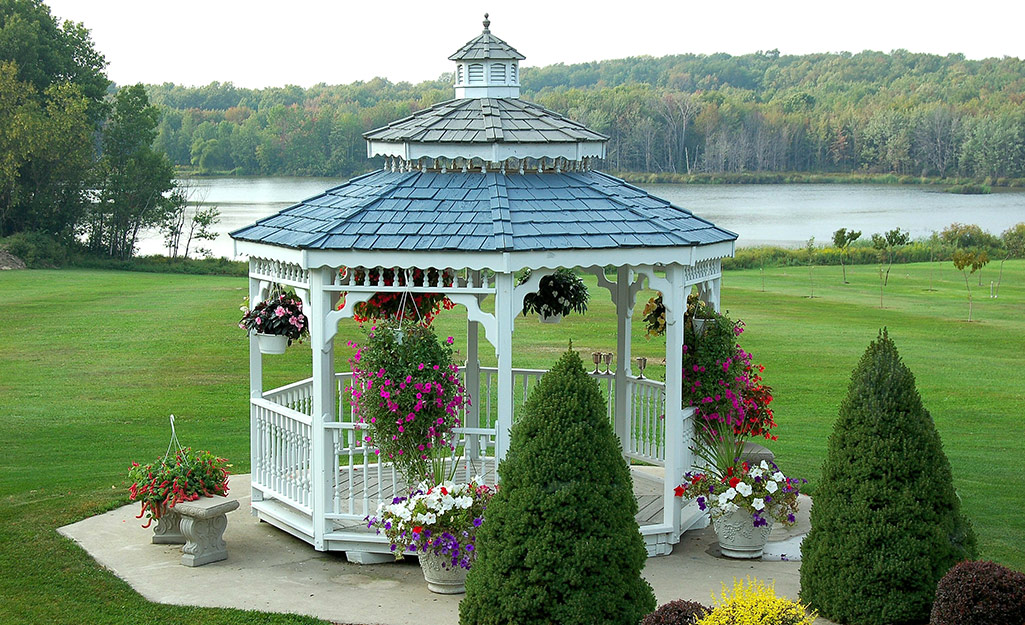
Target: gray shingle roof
486	46
483	212
485	120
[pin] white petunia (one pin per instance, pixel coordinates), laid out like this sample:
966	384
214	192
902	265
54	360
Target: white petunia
723	500
756	472
758	503
771	487
730	493
464	502
764	465
779	477
744	489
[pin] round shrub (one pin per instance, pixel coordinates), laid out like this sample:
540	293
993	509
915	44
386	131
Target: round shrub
755	603
886	524
677	612
979	593
560	544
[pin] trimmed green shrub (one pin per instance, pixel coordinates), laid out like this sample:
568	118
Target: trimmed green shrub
980	593
36	249
677	612
886	523
560	544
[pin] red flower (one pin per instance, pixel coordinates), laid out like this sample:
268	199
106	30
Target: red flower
734	481
418	529
680	490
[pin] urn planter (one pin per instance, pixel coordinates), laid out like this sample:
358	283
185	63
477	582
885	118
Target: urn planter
556	318
738	537
272	343
441	576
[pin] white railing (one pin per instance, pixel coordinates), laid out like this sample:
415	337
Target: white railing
281	450
361	482
645	418
297	396
645	421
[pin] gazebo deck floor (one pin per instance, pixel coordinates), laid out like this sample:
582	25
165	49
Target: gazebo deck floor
647	489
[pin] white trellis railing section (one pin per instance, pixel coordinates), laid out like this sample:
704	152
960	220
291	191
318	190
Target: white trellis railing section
645	420
282	447
281	452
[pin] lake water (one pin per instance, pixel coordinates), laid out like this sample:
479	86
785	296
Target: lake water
786	215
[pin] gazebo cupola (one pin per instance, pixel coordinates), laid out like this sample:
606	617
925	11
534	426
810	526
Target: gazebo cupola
487	67
487	127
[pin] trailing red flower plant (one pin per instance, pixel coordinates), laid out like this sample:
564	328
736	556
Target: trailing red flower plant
726	389
171	480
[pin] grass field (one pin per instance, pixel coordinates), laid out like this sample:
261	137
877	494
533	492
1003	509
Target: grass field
92	362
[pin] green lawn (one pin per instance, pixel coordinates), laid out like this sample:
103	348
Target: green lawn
92	362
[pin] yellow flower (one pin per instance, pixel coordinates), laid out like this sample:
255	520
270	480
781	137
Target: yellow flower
754	603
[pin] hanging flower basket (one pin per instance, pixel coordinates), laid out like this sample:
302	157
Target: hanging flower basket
271	343
276	321
181	475
556	318
557	295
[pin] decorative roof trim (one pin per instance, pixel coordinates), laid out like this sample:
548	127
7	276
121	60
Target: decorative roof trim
502	262
493	152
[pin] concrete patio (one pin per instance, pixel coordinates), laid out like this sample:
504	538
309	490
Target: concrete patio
272	571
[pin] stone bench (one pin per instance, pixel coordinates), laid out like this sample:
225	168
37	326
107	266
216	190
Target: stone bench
202	523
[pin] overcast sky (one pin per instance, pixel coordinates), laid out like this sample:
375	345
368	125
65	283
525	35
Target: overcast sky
259	43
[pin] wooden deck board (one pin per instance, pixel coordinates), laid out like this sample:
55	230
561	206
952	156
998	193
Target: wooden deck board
647	492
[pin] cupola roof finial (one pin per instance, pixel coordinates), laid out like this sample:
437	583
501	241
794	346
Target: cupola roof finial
487	23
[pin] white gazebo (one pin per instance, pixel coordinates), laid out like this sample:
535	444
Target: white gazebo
476	188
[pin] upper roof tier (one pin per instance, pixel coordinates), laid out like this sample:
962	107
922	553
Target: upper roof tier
492	129
487	120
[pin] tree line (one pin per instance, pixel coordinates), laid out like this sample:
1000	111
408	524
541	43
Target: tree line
77	162
898	113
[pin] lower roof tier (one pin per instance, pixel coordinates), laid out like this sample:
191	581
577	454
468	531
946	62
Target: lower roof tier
480	212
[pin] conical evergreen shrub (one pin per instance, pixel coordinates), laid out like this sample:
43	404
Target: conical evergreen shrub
559	542
886	524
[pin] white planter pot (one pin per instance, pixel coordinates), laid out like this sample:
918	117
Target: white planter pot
272	343
738	536
444	580
551	318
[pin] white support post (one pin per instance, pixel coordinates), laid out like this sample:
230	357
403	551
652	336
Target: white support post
675	300
255	388
505	311
623	299
322	459
471	379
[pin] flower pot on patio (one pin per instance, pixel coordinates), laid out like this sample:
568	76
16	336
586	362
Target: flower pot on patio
738	537
271	343
441	576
